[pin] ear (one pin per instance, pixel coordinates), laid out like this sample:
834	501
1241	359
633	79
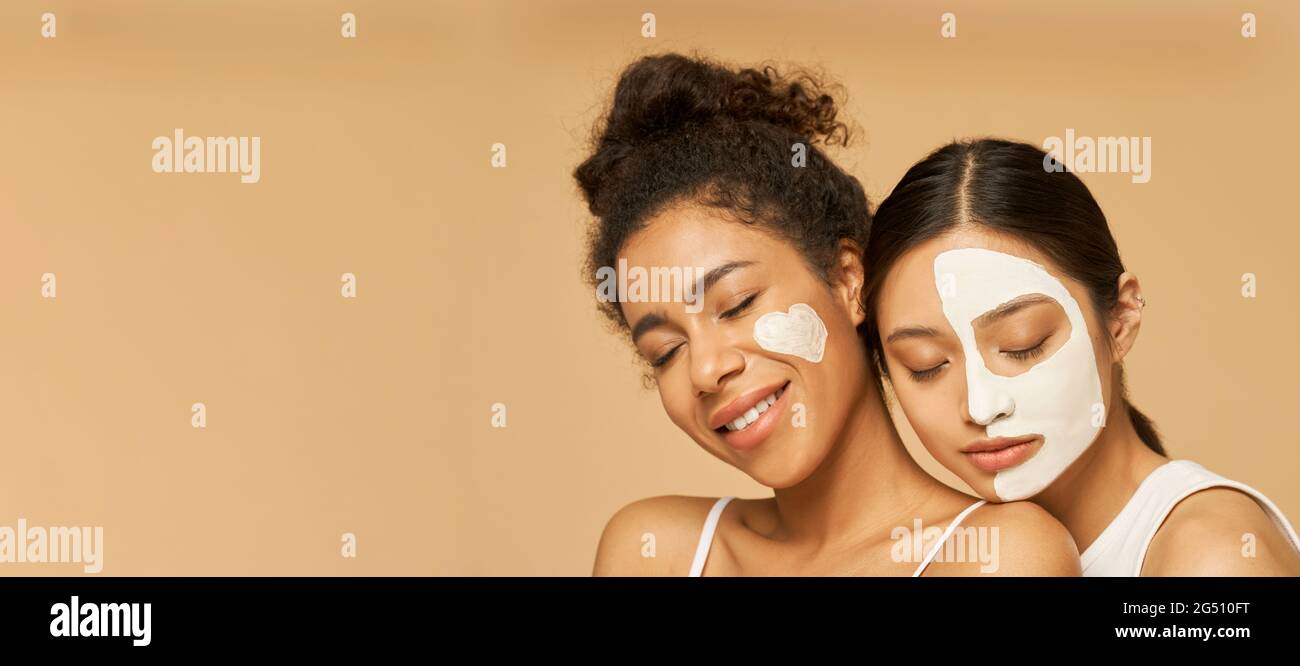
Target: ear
1126	315
847	279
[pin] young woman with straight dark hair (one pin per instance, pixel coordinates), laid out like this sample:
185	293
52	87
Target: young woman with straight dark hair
999	309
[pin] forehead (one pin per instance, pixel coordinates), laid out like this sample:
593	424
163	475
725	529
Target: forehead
972	281
993	268
698	236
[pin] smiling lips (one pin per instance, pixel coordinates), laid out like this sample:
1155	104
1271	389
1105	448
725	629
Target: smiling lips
999	453
749	419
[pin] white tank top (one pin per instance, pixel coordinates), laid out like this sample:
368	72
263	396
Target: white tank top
711	524
1122	546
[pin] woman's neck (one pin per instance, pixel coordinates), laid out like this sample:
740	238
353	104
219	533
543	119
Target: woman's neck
866	484
1092	491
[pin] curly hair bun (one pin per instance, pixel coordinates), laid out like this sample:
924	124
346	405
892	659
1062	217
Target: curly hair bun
661	93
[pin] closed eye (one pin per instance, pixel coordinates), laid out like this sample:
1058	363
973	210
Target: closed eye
665	358
928	373
740	307
1028	352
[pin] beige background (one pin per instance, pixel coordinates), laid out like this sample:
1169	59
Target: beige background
372	416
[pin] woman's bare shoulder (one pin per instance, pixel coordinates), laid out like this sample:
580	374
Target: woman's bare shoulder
1220	531
655	536
1013	539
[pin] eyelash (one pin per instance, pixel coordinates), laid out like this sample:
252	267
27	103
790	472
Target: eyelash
659	362
924	375
1026	354
741	307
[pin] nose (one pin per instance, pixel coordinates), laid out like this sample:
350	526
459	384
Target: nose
713	361
986	399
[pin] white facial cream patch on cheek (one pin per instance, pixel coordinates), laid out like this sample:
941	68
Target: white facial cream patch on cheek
1057	398
798	332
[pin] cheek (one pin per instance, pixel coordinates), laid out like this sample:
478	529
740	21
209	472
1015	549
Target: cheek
677	405
842	337
846	360
938	424
842	373
934	411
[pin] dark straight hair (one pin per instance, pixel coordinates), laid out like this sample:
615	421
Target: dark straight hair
1010	188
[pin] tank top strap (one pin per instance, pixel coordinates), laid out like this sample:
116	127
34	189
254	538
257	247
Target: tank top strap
706	536
1121	548
934	550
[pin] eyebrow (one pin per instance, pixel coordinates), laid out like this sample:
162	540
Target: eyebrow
659	318
911	332
647	323
711	278
1010	307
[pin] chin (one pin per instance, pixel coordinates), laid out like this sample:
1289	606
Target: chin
984	488
778	482
773	474
781	471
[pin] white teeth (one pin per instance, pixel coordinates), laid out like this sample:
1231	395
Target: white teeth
753	413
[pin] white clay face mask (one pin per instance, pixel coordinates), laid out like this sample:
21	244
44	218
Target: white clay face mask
798	331
1058	398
